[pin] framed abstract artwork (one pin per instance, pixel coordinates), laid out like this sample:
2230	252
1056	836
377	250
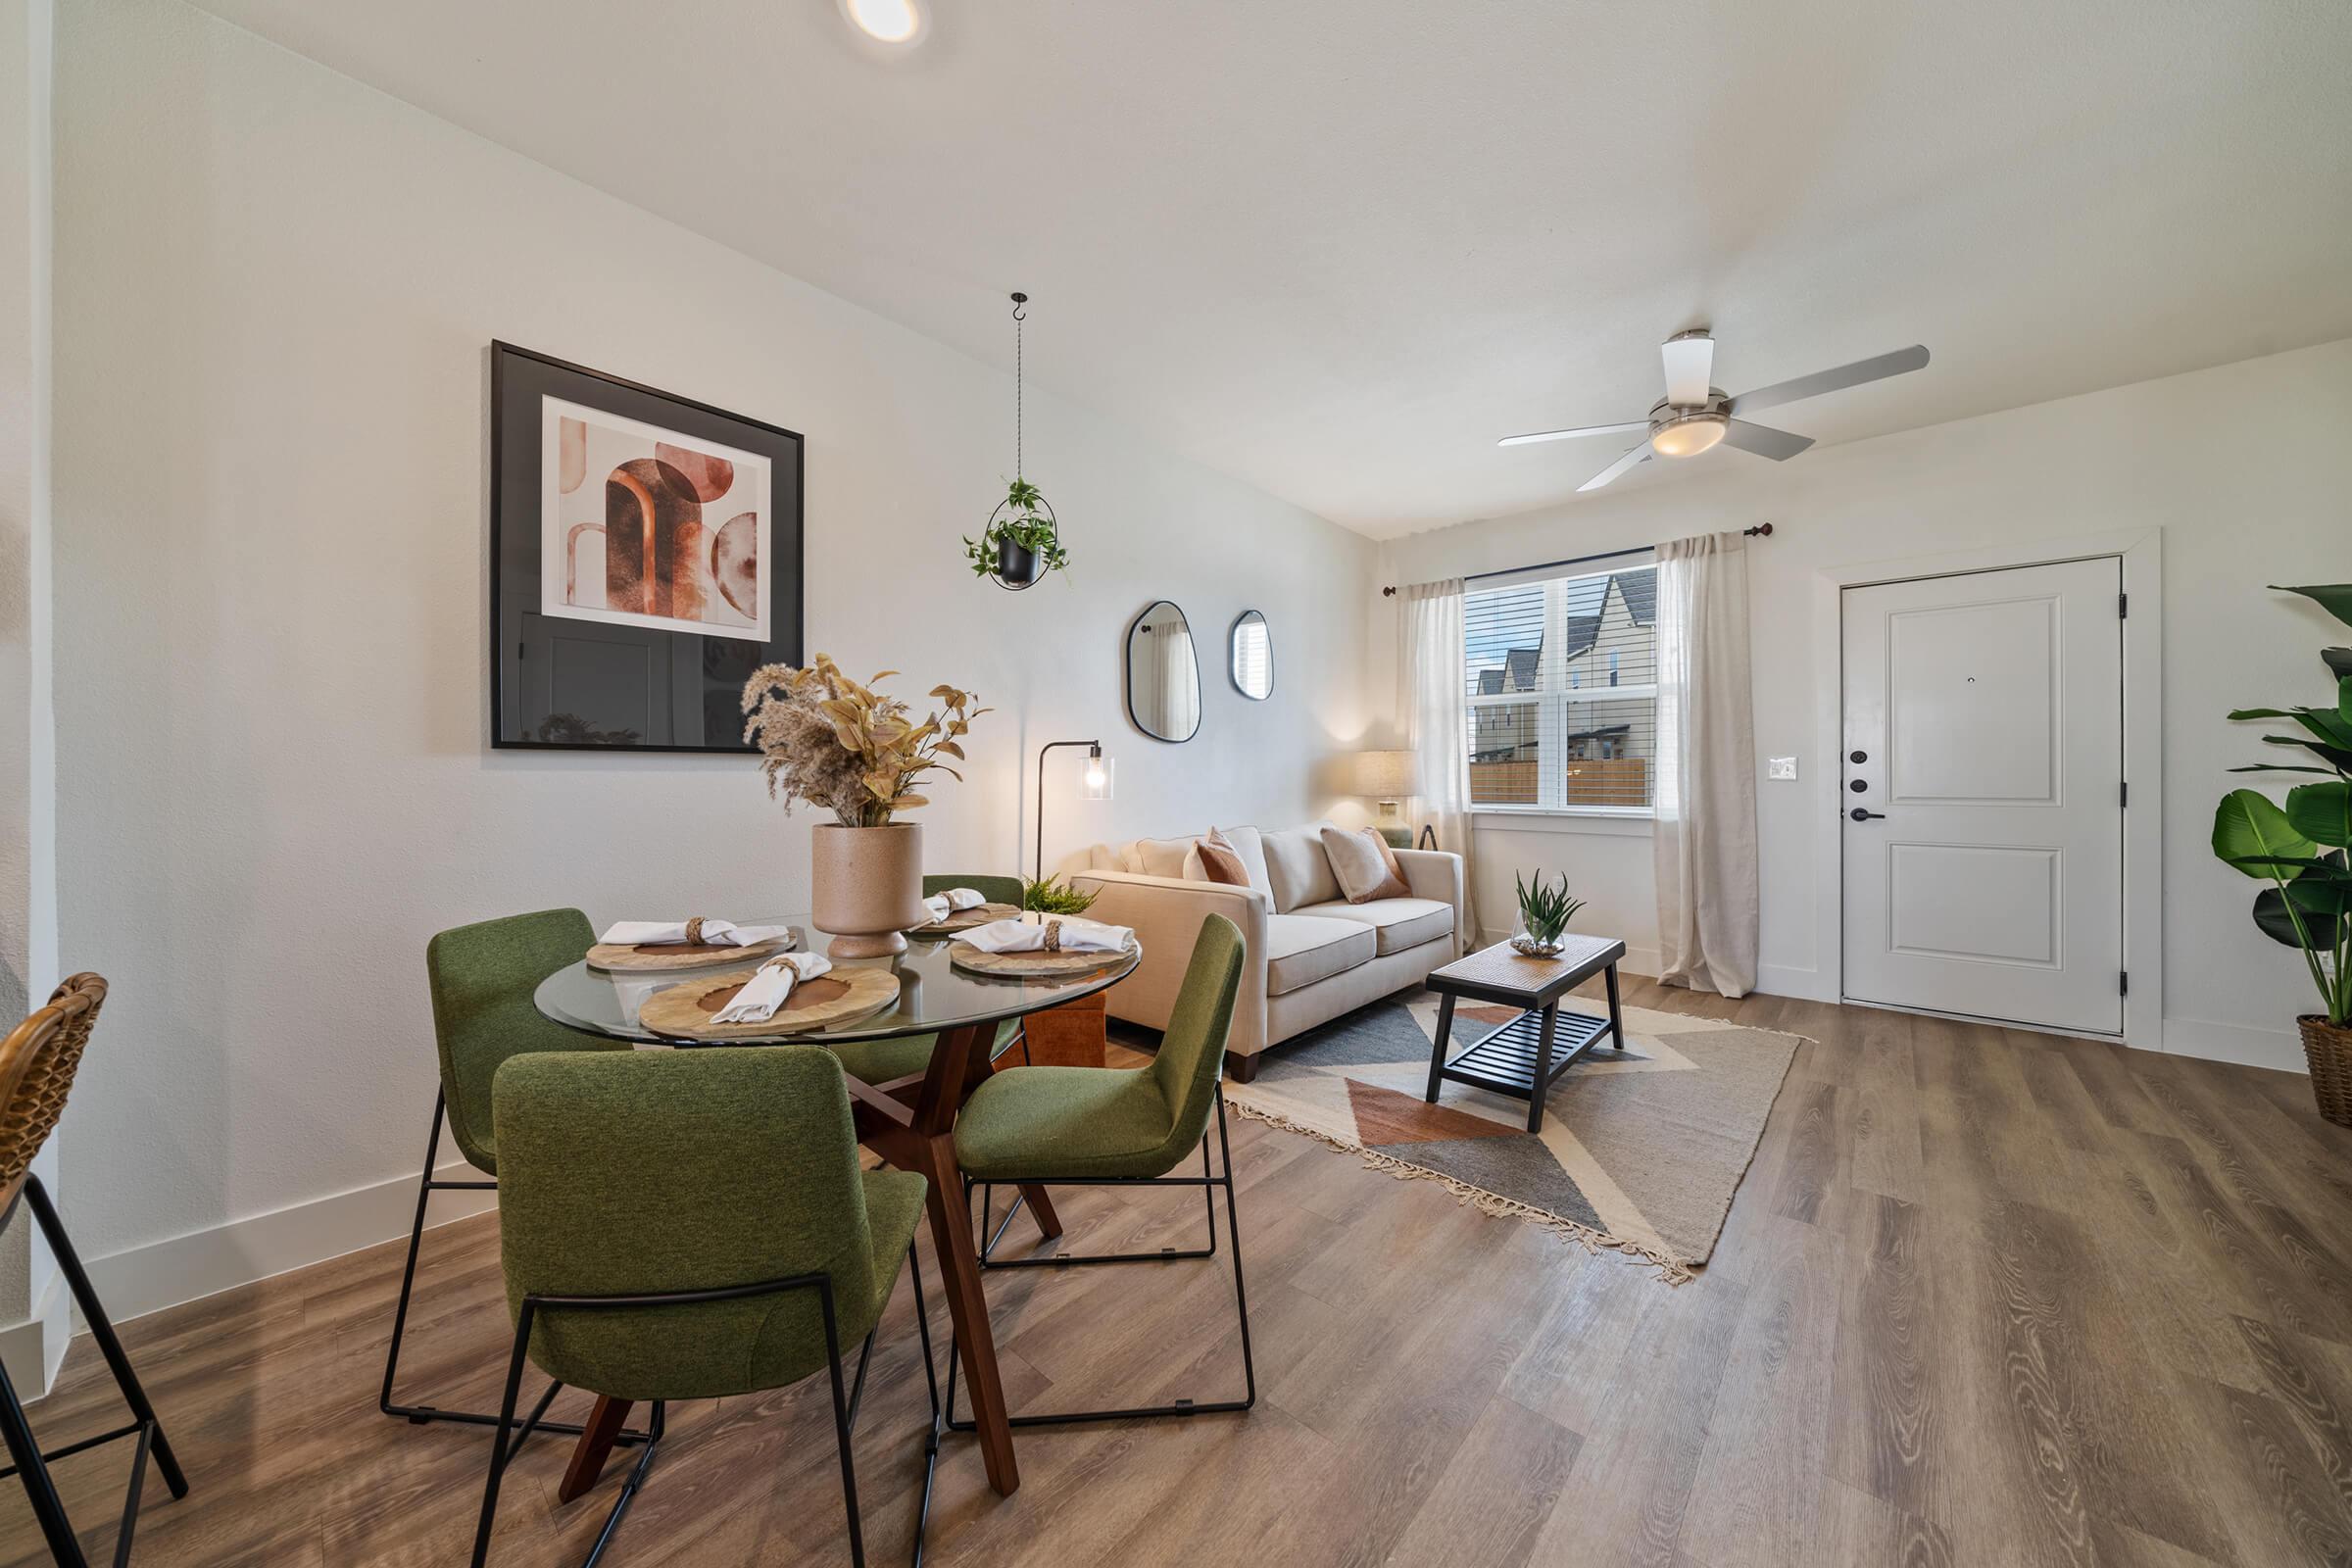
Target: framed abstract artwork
645	557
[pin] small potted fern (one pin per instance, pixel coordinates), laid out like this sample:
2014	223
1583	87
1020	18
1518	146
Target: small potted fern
1544	911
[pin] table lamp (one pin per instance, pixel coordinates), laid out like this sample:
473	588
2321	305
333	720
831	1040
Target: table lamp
1388	778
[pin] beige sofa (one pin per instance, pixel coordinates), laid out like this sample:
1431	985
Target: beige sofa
1311	955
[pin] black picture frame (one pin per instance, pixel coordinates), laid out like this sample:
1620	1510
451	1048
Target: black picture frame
684	689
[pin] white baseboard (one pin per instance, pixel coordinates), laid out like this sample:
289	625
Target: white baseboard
2280	1048
184	1268
32	1351
1787	980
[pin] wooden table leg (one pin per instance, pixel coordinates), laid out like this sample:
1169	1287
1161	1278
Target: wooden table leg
597	1437
1049	1223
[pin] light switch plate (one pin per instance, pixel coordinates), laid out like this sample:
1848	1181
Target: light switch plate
1779	767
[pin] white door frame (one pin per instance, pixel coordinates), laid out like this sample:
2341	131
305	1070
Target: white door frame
2143	554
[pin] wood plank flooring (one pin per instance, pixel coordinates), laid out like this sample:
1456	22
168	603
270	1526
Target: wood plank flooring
1985	1298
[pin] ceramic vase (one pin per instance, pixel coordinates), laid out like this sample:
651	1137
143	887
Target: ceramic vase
867	887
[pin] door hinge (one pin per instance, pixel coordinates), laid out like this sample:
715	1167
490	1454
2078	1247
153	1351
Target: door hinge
2123	605
2122	983
2123	793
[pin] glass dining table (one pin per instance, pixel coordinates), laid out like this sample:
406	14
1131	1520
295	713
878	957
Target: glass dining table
909	1122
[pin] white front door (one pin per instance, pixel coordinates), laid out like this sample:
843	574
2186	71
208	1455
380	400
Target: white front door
1985	738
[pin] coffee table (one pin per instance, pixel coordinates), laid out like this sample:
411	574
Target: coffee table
1525	1056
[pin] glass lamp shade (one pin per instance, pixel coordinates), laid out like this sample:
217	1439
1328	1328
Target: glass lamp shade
1095	781
1387	775
1688	436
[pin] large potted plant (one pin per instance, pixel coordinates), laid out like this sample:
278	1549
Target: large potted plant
845	748
2299	849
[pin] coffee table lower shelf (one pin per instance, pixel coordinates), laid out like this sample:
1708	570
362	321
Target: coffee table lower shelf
1506	1061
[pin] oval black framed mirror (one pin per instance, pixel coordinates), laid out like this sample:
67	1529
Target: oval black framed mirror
1163	674
1251	655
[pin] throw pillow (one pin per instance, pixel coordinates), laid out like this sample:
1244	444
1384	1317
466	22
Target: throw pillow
1220	861
1365	865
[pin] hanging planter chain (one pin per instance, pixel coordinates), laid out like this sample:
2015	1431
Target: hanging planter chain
999	553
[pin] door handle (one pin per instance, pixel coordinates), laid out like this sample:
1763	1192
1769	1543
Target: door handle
1860	815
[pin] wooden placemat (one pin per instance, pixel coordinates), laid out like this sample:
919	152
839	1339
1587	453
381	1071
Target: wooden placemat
964	955
678	955
683	1011
965	919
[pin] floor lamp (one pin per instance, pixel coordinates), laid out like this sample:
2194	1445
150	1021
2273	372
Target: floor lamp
1095	784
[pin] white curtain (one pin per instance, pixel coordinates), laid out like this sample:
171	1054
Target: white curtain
1705	834
1434	701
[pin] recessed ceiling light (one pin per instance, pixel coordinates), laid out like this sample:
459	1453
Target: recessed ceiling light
886	21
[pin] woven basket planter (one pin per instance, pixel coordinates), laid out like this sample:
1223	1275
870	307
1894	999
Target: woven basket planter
2329	1048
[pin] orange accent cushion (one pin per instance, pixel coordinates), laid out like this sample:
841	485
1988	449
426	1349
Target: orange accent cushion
1221	862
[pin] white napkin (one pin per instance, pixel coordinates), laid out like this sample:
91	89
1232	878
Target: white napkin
765	992
1077	936
953	902
663	933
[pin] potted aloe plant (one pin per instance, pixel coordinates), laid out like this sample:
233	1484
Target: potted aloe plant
2299	849
1544	911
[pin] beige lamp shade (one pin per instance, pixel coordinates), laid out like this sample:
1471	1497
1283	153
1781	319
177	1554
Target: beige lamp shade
1387	775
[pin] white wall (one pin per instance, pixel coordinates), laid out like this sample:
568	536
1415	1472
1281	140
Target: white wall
2245	468
32	1303
274	288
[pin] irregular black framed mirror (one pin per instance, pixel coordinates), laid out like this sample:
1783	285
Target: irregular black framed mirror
1163	674
1251	655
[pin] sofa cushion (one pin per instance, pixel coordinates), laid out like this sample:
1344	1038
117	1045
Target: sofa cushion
1300	950
1297	872
1397	923
1251	848
1156	856
1364	864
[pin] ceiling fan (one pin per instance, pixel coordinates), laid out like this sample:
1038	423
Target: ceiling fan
1693	415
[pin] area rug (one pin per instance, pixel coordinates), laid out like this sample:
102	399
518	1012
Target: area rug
1640	1151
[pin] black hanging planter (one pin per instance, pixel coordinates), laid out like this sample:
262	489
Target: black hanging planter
1022	541
1017	568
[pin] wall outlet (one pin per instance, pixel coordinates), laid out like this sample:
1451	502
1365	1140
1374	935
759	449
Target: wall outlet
1779	767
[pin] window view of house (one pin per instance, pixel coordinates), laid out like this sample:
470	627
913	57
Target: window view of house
1562	688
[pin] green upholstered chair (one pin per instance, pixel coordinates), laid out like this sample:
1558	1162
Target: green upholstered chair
879	1062
481	977
690	1225
1091	1126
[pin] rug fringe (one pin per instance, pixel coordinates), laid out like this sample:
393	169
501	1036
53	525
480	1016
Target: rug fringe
1669	1268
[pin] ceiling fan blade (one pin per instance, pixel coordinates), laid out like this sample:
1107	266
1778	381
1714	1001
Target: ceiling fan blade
1638	455
1812	387
1570	436
1689	362
1763	440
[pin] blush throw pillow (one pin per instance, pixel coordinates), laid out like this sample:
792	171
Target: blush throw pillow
1365	865
1220	861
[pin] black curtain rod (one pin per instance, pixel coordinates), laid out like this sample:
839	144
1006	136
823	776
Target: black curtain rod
1762	530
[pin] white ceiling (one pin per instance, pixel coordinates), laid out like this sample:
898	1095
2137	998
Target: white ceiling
1337	247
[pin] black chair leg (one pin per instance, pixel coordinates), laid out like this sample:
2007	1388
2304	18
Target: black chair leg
1208	1181
841	1427
29	1464
25	1456
989	1239
420	1415
923	1326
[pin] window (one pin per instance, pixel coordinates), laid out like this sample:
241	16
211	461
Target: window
1563	691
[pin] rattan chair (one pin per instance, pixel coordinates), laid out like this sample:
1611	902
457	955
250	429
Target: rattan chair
37	1061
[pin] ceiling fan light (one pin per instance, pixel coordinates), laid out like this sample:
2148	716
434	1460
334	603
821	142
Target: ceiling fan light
1686	436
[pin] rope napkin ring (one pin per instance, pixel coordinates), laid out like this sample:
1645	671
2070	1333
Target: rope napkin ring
694	932
1053	936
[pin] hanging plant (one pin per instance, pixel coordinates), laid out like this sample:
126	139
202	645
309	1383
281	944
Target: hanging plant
1022	542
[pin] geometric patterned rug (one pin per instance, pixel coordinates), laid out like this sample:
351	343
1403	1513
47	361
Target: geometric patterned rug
1641	1149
